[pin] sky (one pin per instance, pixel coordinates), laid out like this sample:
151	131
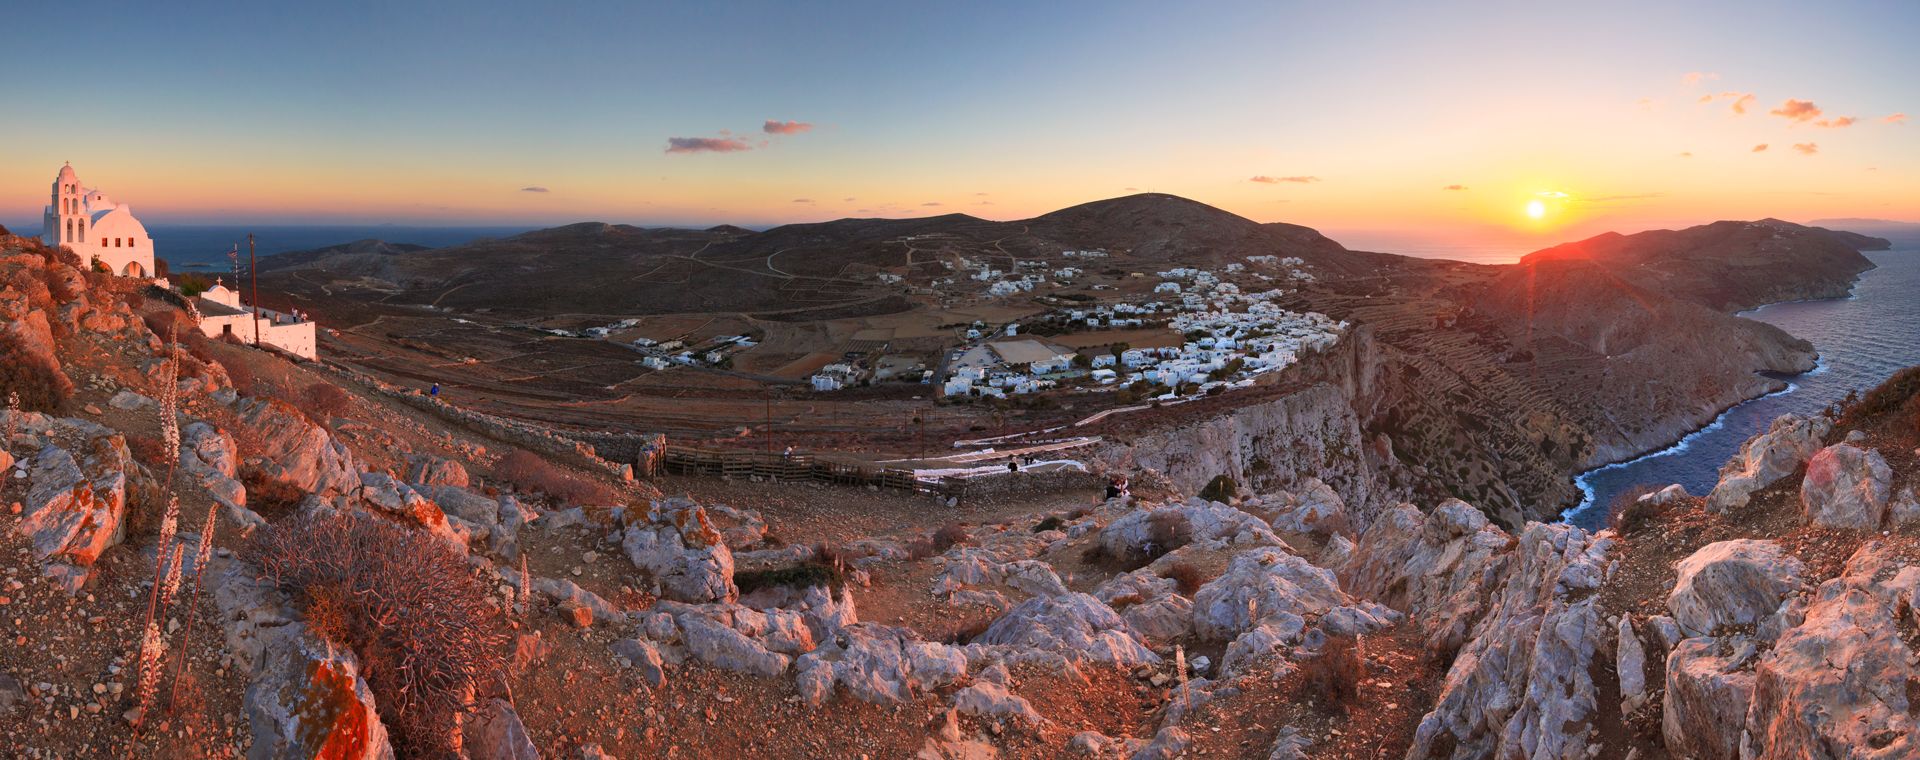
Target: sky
1387	125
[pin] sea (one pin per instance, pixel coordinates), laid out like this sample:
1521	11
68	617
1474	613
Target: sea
1862	340
205	247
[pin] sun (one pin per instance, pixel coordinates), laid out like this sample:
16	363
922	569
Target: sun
1536	209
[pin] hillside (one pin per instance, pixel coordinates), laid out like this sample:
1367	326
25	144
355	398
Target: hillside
359	533
1727	266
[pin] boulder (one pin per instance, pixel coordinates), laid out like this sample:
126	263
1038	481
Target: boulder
728	649
1708	693
686	555
990	700
1073	625
1841	682
396	500
1171	742
1846	487
1429	566
1630	662
72	514
642	654
1731	583
129	401
1904	509
878	663
1270	587
428	470
1665	496
1790	441
1156	531
296	451
1522	683
494	732
308	700
1313	507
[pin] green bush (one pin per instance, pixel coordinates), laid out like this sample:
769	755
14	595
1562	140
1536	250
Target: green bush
1220	489
804	575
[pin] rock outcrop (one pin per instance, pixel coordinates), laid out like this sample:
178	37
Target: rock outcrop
297	452
1073	625
73	513
1846	487
678	545
1765	458
308	700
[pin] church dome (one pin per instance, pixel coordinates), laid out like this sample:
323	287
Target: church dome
66	172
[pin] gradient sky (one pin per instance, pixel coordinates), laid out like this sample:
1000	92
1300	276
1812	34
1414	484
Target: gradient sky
1362	115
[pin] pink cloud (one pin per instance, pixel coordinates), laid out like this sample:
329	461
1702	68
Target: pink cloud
1844	121
706	145
1692	78
1454	187
1797	110
785	127
1266	180
1898	118
1741	103
1806	149
1761	148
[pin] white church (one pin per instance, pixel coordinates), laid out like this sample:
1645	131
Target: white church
95	228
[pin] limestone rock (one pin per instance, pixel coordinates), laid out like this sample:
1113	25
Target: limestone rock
494	732
878	663
1140	532
1668	495
1270	587
680	547
72	514
426	470
1428	565
1838	684
1790	441
1708	693
1522	684
1630	662
1731	583
128	400
645	656
308	700
1073	625
1313	507
994	701
728	649
1171	742
1846	487
298	452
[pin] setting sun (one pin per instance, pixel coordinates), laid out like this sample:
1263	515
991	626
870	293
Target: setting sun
1536	209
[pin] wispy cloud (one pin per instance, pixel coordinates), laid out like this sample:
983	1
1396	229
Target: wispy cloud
1686	154
1761	148
785	127
1266	180
1797	110
1844	121
533	189
1806	149
803	200
1692	78
1454	187
707	145
931	203
1621	198
1742	103
848	199
1896	118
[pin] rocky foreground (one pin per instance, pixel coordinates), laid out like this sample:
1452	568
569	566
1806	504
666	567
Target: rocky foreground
1771	618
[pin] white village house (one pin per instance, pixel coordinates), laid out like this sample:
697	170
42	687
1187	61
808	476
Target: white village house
221	315
95	228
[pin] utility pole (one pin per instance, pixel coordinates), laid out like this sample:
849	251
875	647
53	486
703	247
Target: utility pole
253	271
769	444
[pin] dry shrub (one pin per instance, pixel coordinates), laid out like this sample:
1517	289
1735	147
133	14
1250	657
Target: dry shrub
413	611
269	497
1335	674
948	536
920	547
1167	530
324	401
162	322
1052	522
1900	393
42	387
1186	577
1220	489
148	450
527	471
240	375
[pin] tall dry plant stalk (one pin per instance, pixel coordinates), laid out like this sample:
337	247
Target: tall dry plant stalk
200	558
166	567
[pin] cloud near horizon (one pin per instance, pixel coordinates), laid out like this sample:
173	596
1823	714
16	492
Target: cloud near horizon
1897	118
1797	110
707	145
1807	149
773	127
1266	180
803	200
1761	148
1454	187
533	189
1844	121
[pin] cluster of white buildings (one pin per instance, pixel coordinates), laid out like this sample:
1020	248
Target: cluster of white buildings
666	354
223	317
1232	337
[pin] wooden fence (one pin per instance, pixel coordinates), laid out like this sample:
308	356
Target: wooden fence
740	463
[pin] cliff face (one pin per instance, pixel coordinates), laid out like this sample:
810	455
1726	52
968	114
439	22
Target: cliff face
1319	432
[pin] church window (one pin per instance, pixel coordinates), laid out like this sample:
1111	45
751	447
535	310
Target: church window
69	231
82	228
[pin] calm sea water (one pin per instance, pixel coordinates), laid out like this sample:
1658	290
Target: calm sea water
189	247
1862	341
